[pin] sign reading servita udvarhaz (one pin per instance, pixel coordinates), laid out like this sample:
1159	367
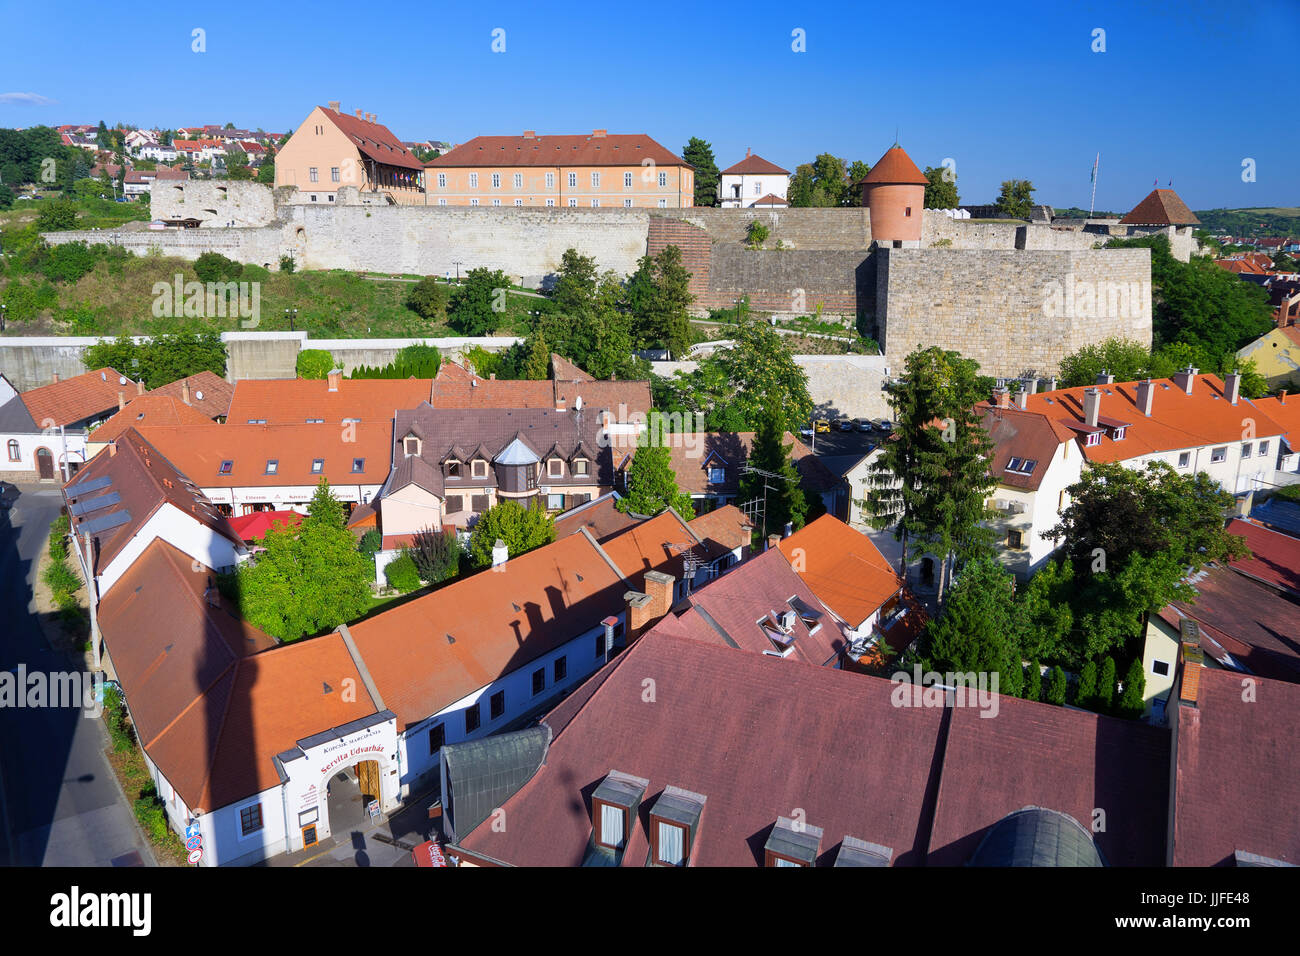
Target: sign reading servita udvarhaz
367	745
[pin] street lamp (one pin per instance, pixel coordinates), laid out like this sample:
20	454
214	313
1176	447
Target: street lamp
290	315
457	263
4	311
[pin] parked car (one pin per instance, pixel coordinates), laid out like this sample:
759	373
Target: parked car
822	425
864	424
885	425
845	424
806	431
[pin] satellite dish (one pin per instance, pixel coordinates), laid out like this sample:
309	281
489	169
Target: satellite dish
199	396
121	380
577	404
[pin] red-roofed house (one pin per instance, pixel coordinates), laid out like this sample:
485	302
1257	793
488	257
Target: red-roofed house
332	149
752	182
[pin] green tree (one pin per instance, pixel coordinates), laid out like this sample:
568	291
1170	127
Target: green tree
1056	687
779	488
756	375
1132	702
1106	685
1034	680
652	485
1127	360
477	306
56	215
1044	618
436	555
941	188
658	297
1085	695
266	172
214	267
6	197
575	287
1016	198
237	167
522	529
823	182
401	573
428	299
974	631
315	363
700	155
310	578
932	479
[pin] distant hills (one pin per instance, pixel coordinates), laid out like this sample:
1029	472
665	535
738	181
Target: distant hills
1253	223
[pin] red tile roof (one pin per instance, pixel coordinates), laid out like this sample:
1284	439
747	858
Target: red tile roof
771	199
208	392
600	517
149	409
1237	781
618	149
374	140
844	569
656	544
1161	207
1275	557
895	167
253	526
753	164
1285	410
1029	436
296	400
691	457
724	528
79	398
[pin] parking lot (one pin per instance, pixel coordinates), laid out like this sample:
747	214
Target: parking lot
836	442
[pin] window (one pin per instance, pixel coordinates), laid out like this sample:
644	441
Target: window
313	197
670	846
473	202
663	204
717	475
519	202
257	421
580	466
1219	454
627	204
250	819
358	465
573	204
453	469
1094	438
612	828
272	466
315	421
907	213
550	204
555	502
1015	539
1013	464
663	179
497	705
480	468
1184	459
519	180
331	197
1246	449
627	180
442	202
1160	668
1062	501
550	180
437	737
317	465
312	174
442	180
561	669
1263	449
555	468
600	645
539	680
573	179
496	202
496	180
595	204
473	180
595	180
758	187
334	174
225	468
471	718
14	453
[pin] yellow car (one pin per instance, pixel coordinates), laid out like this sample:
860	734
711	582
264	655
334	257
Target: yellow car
822	425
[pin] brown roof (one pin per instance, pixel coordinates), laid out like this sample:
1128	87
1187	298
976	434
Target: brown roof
150	409
843	568
1274	557
1029	436
692	456
197	451
1161	207
656	544
600	517
208	392
893	168
77	399
470	633
564	370
771	199
296	400
618	149
143	481
753	164
1237	781
213	699
374	140
724	528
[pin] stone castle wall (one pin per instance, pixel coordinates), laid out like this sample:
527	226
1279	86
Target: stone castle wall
215	203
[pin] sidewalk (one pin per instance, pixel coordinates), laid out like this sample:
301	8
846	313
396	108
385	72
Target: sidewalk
386	843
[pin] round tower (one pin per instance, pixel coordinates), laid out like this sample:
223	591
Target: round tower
895	194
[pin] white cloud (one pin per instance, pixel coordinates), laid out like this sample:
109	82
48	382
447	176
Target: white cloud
29	99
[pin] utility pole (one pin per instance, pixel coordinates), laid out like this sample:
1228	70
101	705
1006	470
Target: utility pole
749	469
1092	204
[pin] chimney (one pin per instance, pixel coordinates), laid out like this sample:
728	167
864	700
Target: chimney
1186	379
492	376
530	134
559	403
56	378
1145	394
121	400
500	554
1002	397
598	133
1091	406
1189	686
360	115
1050	385
334	376
1022	397
773	540
334	105
1281	398
112	449
610	623
747	152
643	609
185	392
139	387
1232	387
1105	378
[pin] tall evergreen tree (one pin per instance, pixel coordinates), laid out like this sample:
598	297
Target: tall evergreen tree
700	155
658	296
1034	680
1085	694
1056	686
1106	685
1133	701
783	497
652	485
974	631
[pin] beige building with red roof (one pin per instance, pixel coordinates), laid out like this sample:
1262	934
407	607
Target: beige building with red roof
754	181
600	170
332	149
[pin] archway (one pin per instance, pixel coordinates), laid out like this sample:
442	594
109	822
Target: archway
348	794
44	463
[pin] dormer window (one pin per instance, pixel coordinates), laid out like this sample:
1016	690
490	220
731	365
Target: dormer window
1023	466
717	475
812	619
453	469
779	629
674	824
1117	434
358	465
581	466
554	468
614	806
792	843
479	467
1094	438
411	446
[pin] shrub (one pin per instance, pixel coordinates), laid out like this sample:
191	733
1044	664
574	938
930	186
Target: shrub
1106	685
286	264
757	234
57	214
68	262
60	579
1133	701
402	574
152	814
1056	686
1034	681
59	537
314	363
428	300
214	267
255	273
370	542
1086	693
436	555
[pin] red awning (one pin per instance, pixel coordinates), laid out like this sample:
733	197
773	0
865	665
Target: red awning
253	526
429	854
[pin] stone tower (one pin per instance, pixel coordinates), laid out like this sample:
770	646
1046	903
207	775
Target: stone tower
894	190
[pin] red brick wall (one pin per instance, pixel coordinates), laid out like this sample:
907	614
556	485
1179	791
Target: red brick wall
694	242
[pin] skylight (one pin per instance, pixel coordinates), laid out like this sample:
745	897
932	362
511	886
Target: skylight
226	467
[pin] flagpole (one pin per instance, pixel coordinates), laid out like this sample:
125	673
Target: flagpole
1092	203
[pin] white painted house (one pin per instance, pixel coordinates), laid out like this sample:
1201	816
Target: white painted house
753	182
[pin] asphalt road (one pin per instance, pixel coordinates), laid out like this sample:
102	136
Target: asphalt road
60	803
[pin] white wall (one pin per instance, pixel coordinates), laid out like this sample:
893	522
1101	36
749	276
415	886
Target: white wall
183	532
768	183
28	443
283	497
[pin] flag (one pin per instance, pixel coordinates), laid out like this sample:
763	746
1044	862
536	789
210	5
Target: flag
1155	182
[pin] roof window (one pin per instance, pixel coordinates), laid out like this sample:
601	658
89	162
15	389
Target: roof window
792	843
674	826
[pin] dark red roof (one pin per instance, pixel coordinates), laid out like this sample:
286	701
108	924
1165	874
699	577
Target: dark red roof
1275	557
754	165
375	140
1161	207
253	526
893	168
616	149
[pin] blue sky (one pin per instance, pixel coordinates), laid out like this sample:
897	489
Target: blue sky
1180	94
